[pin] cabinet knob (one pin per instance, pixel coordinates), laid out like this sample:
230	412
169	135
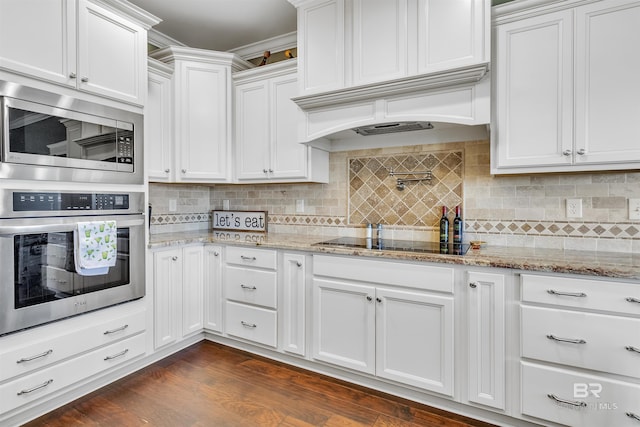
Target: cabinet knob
184	171
581	152
369	298
84	79
264	171
473	285
174	258
216	253
567	152
72	76
298	263
270	170
378	299
167	170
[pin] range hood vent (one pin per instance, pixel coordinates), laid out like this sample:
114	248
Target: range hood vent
454	97
392	128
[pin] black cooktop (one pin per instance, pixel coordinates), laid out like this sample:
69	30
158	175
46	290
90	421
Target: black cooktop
397	245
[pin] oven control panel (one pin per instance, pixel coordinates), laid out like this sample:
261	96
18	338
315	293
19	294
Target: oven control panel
49	201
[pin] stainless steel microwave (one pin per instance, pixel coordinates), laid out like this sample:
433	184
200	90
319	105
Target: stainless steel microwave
46	136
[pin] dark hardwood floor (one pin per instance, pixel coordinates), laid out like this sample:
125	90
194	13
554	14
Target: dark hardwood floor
209	384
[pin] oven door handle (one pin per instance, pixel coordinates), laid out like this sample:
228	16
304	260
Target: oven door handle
53	227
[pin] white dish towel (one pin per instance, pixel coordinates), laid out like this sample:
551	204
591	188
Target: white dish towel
96	247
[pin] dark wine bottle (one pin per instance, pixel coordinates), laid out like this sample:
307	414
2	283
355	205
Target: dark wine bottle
444	226
458	227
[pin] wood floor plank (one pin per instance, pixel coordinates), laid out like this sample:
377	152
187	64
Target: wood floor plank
209	384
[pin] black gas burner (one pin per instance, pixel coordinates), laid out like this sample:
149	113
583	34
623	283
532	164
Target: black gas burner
397	245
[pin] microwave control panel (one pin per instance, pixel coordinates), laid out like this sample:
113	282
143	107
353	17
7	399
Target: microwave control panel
49	202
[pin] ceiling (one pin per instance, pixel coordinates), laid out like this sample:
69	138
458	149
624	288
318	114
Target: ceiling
221	25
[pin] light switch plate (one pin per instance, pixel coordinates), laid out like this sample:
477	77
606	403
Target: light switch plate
225	205
173	205
300	206
634	208
574	208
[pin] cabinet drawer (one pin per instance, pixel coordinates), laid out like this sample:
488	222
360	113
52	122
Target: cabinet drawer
594	401
262	258
599	342
251	286
604	295
418	276
52	343
42	383
251	323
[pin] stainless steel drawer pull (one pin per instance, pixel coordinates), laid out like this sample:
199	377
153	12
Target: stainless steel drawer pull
578	403
38	387
250	288
631	299
37	356
113	331
248	325
248	258
569	340
115	356
632	348
632	415
567	294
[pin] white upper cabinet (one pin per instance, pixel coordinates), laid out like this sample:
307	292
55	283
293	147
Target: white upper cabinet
451	34
267	147
159	123
346	43
202	113
78	44
566	89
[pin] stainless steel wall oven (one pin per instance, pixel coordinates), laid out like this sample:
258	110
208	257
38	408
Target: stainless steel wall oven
51	137
39	279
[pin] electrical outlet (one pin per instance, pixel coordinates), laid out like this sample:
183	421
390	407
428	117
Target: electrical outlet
634	208
173	205
574	208
300	206
225	205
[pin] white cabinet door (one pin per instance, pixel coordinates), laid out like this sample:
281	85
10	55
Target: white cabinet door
201	126
451	34
414	339
321	45
486	326
289	158
159	125
23	49
192	290
379	40
253	130
112	54
607	84
293	309
344	324
213	288
533	78
167	283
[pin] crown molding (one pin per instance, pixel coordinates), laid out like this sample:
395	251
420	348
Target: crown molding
273	44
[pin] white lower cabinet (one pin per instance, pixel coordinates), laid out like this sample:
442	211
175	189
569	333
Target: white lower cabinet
591	329
404	334
178	294
576	399
42	362
293	308
213	288
251	294
486	338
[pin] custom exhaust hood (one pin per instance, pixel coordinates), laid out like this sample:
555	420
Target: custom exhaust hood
452	105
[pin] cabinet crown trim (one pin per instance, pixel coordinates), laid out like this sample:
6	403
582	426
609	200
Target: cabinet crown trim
420	83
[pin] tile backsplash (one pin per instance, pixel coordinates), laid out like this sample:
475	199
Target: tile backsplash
520	210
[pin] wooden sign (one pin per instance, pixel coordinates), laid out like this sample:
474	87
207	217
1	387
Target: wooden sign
239	220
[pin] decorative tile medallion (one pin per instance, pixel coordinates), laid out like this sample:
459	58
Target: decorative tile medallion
375	196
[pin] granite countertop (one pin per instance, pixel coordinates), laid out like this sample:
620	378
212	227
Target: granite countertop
591	263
